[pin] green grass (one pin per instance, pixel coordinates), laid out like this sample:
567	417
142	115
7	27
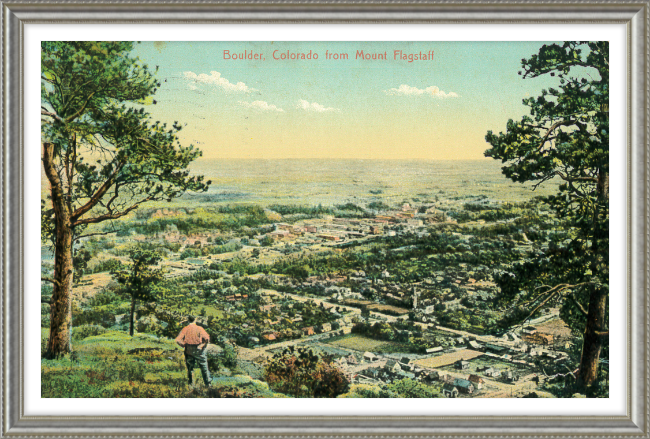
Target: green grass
210	311
363	344
116	365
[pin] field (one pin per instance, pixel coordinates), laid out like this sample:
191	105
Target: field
388	309
363	344
329	182
447	359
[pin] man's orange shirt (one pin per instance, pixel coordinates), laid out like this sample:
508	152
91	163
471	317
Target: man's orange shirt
193	335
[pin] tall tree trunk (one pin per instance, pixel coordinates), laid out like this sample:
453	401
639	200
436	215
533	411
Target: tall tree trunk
596	313
61	305
132	315
593	340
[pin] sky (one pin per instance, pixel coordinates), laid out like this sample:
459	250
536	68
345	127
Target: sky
436	108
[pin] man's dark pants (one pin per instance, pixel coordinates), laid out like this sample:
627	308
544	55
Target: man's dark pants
196	357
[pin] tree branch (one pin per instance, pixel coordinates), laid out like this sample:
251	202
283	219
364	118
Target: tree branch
54	116
81	110
99	194
554	291
572	179
549	297
551	129
577	304
116	215
50	280
92	234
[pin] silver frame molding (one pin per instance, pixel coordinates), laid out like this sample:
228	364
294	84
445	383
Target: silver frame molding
636	16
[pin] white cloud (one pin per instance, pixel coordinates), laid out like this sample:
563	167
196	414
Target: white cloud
313	106
433	91
260	105
215	78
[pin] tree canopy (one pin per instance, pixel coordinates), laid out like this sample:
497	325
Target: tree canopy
141	280
108	154
102	154
565	139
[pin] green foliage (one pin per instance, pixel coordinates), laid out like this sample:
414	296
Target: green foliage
111	265
302	373
369	391
80	262
85	89
350	206
404	388
84	331
305	210
226	358
196	252
141	281
408	388
102	154
378	205
114	365
188	221
267	241
565	136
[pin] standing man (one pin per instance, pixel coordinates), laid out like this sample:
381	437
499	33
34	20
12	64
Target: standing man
195	340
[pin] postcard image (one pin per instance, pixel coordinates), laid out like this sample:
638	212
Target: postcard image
324	219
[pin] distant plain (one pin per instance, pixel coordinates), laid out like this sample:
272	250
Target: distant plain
329	182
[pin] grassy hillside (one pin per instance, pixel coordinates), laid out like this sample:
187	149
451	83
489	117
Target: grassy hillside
115	365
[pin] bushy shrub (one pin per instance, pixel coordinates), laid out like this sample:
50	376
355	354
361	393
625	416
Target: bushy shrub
304	374
101	315
84	331
107	265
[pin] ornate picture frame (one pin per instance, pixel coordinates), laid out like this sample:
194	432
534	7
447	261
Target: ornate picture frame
635	16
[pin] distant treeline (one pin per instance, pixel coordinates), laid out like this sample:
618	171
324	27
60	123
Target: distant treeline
347	210
228	218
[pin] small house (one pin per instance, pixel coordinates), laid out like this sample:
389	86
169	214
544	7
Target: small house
462	364
511	377
464	386
449	391
477	381
308	330
392	366
428	376
495	348
371	372
369	357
